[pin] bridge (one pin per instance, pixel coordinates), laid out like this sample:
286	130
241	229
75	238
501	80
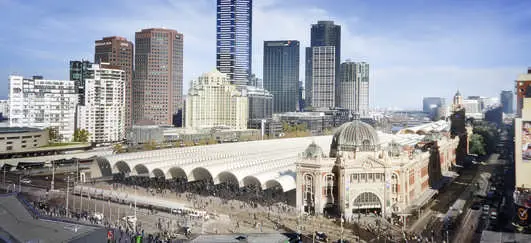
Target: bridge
265	163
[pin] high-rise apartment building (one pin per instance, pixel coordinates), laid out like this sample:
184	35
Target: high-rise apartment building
320	81
158	81
326	33
103	114
260	103
234	39
40	103
118	51
507	101
281	73
354	87
522	86
213	101
78	73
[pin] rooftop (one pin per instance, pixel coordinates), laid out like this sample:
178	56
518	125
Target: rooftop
18	129
20	226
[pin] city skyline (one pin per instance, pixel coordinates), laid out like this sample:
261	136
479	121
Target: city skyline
444	44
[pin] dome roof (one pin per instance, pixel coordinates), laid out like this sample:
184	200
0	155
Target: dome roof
355	136
313	151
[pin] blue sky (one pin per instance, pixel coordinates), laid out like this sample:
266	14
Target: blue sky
416	48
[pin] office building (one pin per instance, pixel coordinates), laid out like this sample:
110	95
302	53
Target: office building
234	39
300	104
522	160
256	81
103	114
41	103
78	73
4	109
507	101
354	87
320	81
118	51
281	73
213	101
260	103
326	33
158	81
429	104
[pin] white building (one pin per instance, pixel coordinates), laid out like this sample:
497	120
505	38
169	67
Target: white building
213	102
473	108
320	85
41	103
103	114
354	87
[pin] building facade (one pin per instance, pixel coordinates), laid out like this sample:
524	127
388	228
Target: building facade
507	101
118	51
21	139
78	73
234	24
260	103
4	109
522	85
281	73
212	101
429	104
320	84
326	33
103	114
354	87
158	81
41	103
368	171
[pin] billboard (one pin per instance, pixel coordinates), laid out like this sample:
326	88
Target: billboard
526	141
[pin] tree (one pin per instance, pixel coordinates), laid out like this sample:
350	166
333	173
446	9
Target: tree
53	133
151	145
490	135
477	145
118	148
81	135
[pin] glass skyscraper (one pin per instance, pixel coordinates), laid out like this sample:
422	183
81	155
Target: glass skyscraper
281	73
326	33
234	39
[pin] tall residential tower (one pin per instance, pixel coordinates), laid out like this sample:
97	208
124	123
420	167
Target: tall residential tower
158	81
234	39
281	73
507	101
118	51
320	83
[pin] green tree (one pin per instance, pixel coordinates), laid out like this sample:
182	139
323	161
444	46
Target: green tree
151	145
490	135
477	145
53	133
81	135
118	148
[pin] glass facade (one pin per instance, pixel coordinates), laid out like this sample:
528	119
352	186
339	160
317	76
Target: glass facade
234	39
326	33
78	73
281	73
507	100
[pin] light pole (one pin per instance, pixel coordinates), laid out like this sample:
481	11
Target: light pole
67	192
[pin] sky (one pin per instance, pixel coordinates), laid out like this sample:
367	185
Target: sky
415	48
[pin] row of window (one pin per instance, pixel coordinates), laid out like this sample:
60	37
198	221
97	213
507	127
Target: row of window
367	177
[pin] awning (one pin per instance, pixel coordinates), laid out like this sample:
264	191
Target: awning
420	201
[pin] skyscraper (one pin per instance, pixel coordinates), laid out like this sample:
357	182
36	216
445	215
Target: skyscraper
507	100
158	81
103	114
234	39
353	87
281	73
118	51
326	33
320	83
78	73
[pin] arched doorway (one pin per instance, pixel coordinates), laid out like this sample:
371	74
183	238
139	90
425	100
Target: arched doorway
367	203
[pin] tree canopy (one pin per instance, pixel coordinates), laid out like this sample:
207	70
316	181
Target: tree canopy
81	135
477	145
489	132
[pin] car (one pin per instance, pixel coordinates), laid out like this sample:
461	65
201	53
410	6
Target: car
321	236
493	188
476	206
493	214
25	181
486	209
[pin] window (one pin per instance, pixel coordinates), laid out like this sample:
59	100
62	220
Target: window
9	148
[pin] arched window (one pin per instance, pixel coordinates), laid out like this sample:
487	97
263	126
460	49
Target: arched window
394	182
329	188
